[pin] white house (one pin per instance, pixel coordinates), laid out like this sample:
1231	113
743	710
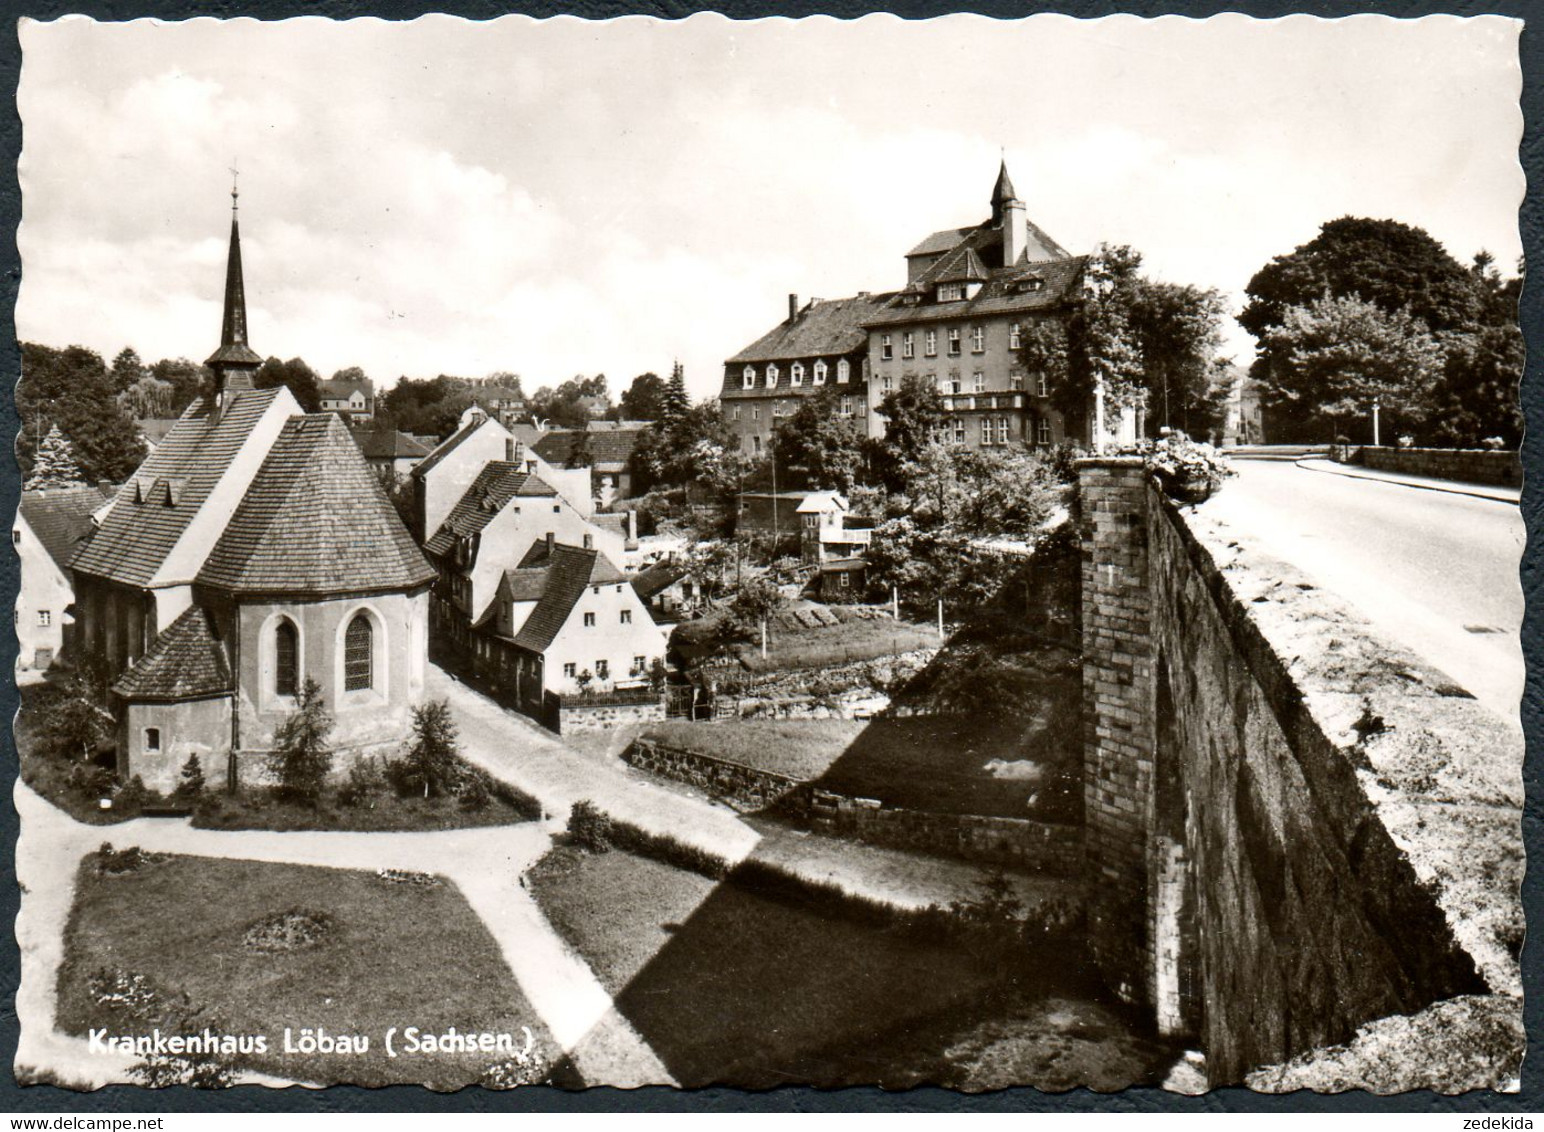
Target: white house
50	527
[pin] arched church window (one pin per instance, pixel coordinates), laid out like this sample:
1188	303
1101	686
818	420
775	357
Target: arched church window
286	659
357	654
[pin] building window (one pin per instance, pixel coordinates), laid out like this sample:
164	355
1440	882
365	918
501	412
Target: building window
959	431
756	445
570	670
820	372
954	383
843	371
1043	386
1015	379
45	618
735	413
797	372
1043	432
844	580
627	616
978	339
640	665
954	341
978	382
358	659
748	378
950	292
1002	430
589	620
1015	337
886	350
755	412
886	384
930	343
771	375
908	349
152	738
986	430
602	670
286	659
846	406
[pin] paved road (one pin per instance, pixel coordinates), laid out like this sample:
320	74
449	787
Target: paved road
1433	571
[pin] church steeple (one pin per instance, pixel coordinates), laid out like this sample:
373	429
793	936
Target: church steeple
234	362
1002	192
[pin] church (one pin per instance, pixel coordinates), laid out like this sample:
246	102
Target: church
254	550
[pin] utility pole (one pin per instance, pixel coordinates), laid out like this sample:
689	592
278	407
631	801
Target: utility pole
895	602
940	619
1375	441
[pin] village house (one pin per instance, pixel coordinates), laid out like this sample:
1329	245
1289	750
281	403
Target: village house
606	452
827	531
820	347
441	479
50	526
667	588
504	509
252	552
353	399
391	453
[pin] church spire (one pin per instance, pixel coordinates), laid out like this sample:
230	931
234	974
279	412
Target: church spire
1003	191
234	362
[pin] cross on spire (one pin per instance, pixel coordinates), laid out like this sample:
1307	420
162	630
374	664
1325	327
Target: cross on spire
235	187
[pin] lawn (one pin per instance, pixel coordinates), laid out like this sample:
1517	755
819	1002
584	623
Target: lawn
801	749
389	954
997	765
730	984
809	636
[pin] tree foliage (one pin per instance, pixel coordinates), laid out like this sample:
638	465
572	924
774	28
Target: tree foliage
71	389
300	378
1468	315
1336	356
426	407
697	448
570	405
817	447
301	757
53	465
432	761
644	399
913	414
677	401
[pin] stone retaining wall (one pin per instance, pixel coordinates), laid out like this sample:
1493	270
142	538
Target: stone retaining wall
605	717
1469	465
1020	842
744	786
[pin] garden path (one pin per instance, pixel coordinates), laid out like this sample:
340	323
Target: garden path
484	863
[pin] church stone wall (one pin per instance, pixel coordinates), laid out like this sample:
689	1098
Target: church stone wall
192	727
372	721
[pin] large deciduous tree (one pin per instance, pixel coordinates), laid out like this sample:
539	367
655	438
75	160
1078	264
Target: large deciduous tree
913	414
1336	356
300	378
1469	314
71	388
644	399
818	447
426	407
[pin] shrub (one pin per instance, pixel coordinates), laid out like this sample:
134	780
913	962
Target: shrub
90	781
198	1070
363	784
1184	467
191	785
475	795
433	754
132	796
589	826
301	758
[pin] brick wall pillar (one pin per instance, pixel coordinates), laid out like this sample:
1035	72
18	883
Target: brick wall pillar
1118	738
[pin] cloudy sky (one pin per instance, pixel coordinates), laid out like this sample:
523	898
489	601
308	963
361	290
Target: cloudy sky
561	197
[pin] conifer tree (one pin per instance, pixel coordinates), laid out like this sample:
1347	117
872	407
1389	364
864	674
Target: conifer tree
192	782
433	754
301	758
54	464
677	402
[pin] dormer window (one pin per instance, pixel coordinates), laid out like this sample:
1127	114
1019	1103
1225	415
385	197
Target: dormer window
820	372
950	292
748	377
771	375
843	371
796	371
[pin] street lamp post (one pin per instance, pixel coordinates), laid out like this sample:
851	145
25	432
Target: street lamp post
1375	442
